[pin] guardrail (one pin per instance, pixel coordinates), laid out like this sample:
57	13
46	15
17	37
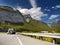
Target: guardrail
51	35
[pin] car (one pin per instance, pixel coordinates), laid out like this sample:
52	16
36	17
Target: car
11	31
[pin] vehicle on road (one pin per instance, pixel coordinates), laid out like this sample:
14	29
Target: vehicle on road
11	31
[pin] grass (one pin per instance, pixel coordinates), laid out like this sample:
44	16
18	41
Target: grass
58	41
47	39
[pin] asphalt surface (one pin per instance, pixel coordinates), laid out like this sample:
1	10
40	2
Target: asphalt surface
6	39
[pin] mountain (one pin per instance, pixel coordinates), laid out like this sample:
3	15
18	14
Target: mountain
9	15
56	26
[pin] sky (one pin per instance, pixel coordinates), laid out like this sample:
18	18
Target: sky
43	10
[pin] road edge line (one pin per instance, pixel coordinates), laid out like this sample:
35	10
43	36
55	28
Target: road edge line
20	42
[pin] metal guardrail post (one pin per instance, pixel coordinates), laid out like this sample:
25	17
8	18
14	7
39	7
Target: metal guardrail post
54	41
34	36
41	38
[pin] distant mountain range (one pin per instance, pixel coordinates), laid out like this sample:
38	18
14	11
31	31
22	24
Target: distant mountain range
56	26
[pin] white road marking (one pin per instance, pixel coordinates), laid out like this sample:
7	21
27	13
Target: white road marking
20	42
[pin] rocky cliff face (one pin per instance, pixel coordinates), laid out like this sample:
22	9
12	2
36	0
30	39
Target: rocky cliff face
7	14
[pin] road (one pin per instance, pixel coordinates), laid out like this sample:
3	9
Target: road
6	39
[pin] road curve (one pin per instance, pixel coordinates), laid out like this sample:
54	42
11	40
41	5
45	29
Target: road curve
20	40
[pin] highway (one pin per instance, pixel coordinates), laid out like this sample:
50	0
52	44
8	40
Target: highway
6	39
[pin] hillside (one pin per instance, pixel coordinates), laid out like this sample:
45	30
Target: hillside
36	26
32	26
9	18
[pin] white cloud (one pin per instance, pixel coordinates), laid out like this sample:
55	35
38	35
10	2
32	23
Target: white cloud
34	12
53	16
53	7
47	9
25	11
57	6
33	3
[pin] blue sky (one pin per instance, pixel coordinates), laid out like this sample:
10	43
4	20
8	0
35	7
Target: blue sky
44	10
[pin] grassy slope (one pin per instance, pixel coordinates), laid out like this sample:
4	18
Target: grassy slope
33	26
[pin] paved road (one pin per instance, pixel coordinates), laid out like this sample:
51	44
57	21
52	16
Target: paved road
20	40
8	39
